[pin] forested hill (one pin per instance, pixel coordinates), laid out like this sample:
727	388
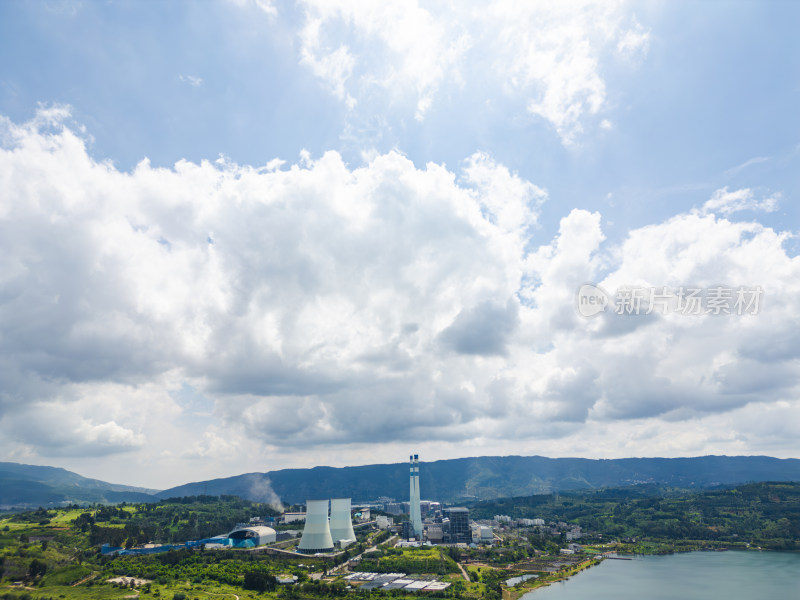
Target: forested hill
765	514
32	486
494	477
456	480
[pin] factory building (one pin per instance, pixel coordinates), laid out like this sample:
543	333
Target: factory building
481	534
434	533
251	536
459	529
394	508
430	508
291	517
383	522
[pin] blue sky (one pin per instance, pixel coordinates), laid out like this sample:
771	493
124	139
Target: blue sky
344	206
178	80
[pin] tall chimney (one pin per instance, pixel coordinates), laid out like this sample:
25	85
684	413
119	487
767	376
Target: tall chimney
415	512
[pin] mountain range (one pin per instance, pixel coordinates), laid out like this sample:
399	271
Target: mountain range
454	480
30	486
487	477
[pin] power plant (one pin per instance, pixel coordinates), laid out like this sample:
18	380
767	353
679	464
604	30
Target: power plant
415	513
329	528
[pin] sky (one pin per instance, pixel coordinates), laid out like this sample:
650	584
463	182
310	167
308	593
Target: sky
247	235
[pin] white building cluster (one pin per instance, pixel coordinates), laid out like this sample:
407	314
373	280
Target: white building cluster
506	520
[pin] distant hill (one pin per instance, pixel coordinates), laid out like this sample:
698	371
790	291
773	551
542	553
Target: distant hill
491	477
31	486
457	480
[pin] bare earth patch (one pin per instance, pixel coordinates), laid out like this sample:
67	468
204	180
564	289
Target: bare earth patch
128	580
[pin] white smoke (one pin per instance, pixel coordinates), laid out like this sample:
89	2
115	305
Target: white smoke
261	491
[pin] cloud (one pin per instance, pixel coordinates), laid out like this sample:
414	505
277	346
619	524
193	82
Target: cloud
191	80
76	422
756	160
265	6
320	305
726	203
550	54
405	55
392	45
334	67
214	444
483	329
262	285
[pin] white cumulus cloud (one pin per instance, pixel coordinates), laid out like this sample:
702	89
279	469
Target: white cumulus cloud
323	305
402	55
726	203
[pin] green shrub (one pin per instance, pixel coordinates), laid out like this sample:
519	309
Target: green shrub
67	576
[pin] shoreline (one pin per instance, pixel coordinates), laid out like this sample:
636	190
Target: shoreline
656	572
544	580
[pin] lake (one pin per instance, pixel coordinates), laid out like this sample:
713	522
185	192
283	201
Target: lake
732	575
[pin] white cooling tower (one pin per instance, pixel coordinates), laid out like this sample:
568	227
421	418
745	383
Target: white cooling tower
341	523
317	532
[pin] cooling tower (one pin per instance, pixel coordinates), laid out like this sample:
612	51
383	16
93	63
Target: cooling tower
341	523
317	532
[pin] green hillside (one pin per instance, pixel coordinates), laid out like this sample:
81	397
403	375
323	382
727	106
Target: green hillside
487	477
30	486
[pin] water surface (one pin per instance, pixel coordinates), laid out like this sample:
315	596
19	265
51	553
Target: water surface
515	580
732	575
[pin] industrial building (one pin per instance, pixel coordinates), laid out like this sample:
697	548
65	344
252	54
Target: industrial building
383	522
434	533
459	529
430	508
251	536
482	534
291	517
394	508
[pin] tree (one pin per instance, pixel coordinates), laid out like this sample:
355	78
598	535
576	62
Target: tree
37	568
259	581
